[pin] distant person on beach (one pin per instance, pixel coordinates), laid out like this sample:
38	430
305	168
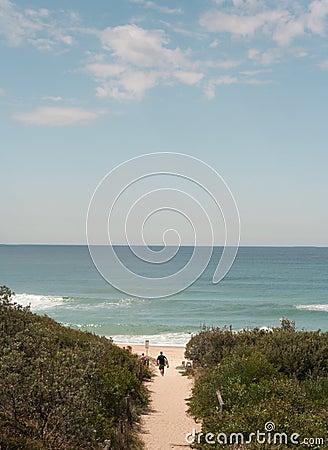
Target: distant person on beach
162	361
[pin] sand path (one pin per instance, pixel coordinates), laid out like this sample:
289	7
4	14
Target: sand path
166	425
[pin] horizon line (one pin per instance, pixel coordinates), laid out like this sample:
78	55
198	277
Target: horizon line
161	245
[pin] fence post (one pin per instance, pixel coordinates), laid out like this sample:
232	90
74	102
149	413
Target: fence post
220	399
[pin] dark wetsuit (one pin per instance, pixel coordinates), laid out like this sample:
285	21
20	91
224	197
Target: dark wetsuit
161	361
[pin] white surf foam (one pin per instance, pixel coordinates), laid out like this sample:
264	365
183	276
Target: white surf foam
39	302
46	302
81	326
313	307
92	304
165	339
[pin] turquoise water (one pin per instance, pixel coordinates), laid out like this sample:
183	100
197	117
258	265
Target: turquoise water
264	284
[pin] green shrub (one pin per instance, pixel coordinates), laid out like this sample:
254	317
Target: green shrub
263	377
61	388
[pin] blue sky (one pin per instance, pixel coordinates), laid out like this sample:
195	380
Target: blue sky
240	84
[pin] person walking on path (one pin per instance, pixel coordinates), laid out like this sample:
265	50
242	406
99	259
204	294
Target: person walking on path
162	361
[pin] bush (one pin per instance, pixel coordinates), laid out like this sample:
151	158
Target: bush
61	388
263	377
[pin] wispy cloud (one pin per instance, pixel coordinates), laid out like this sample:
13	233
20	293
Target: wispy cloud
223	64
242	25
56	116
264	57
256	82
226	80
131	85
282	21
16	25
188	33
214	44
40	27
211	85
160	8
252	73
105	70
129	60
243	77
52	98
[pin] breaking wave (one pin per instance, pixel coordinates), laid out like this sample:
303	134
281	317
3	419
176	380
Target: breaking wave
40	302
313	307
165	339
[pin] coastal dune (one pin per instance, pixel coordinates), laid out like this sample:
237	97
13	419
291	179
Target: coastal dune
166	424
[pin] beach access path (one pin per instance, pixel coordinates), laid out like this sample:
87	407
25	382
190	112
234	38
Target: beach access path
166	425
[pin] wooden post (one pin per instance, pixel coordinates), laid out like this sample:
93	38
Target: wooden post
147	346
128	422
220	399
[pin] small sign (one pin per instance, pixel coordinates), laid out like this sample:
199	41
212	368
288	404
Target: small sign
147	343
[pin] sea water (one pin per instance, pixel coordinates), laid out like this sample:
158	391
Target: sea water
263	285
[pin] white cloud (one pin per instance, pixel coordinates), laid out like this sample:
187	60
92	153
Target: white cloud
226	80
188	77
2	92
316	20
42	44
210	91
43	12
255	81
66	39
192	33
248	5
214	44
92	57
140	47
57	116
131	85
244	77
103	70
137	82
15	25
53	98
139	59
282	21
242	25
210	87
252	73
152	5
287	30
226	64
248	77
264	57
39	27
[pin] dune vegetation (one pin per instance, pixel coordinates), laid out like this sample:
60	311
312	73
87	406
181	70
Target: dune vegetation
273	386
62	388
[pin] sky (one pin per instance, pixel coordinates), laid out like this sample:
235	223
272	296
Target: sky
239	84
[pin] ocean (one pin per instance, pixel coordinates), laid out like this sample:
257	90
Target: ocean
263	285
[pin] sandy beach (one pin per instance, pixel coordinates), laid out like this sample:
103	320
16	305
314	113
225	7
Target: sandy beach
166	425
